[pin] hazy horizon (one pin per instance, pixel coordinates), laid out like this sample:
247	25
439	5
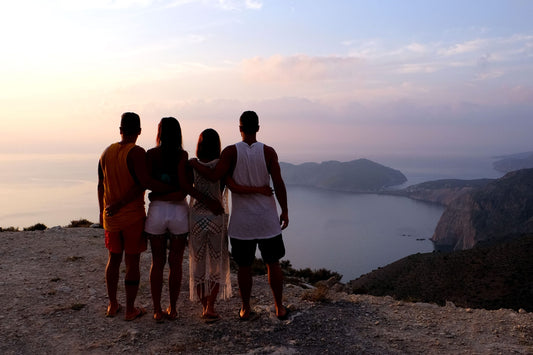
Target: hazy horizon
346	79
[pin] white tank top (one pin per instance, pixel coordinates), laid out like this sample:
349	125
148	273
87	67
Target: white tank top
253	216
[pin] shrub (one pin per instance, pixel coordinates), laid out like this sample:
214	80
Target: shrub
9	229
36	227
310	276
313	276
80	223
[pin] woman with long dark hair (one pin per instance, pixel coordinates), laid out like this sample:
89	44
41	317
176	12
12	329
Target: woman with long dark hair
167	222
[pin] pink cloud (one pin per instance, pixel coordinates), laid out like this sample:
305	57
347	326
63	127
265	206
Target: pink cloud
301	68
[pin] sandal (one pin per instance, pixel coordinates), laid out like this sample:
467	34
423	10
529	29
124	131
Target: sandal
172	315
139	312
210	318
159	316
285	316
112	312
248	316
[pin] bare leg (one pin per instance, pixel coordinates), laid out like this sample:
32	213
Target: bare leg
244	277
175	261
275	279
131	282
211	299
200	290
159	256
112	271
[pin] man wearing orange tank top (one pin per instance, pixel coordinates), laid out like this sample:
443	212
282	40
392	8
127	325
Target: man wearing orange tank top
122	180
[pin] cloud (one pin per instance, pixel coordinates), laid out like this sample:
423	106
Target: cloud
239	4
255	5
108	4
125	4
417	48
414	68
488	75
301	68
462	48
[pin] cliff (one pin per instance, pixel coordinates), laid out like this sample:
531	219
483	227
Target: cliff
360	175
440	191
489	213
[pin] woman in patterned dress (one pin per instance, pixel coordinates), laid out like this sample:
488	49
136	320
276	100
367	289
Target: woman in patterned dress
208	241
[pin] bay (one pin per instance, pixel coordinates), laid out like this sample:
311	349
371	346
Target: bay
349	233
354	234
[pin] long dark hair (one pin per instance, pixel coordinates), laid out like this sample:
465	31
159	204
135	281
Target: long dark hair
208	147
169	138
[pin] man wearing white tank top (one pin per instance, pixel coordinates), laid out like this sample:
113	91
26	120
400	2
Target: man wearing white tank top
254	219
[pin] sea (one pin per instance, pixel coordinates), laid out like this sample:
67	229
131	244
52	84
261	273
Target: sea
349	233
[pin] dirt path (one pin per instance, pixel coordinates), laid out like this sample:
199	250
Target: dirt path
53	301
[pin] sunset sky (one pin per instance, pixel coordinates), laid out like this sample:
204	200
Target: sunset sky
333	79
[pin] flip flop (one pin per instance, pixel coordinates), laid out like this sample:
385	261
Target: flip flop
210	318
139	312
159	316
285	316
249	317
112	312
172	315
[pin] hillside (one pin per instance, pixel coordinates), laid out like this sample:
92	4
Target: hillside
440	191
501	207
508	163
360	175
487	276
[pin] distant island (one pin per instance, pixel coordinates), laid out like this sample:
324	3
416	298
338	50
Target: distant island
361	175
508	163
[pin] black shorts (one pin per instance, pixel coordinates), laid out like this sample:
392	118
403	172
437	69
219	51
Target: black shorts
243	251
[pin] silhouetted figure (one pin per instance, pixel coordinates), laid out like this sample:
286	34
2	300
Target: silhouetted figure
254	217
208	240
122	179
167	223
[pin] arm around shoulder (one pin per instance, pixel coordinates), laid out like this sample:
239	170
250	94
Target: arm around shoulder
140	169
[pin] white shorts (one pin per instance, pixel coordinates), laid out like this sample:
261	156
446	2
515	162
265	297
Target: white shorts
167	216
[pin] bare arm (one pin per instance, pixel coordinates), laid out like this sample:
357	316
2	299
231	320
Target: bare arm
178	195
100	189
130	196
113	208
279	185
240	189
137	165
185	183
224	166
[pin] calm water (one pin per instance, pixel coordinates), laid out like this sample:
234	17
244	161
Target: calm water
349	233
355	233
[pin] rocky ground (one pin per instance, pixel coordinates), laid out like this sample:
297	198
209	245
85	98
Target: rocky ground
53	301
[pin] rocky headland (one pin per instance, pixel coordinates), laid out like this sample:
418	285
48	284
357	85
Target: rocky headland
501	208
361	175
442	191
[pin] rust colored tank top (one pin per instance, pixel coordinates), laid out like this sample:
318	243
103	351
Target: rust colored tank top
117	181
